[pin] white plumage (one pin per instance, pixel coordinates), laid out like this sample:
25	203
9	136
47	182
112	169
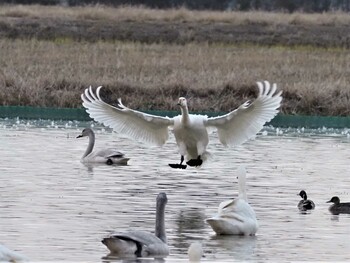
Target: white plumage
235	217
190	130
7	255
195	252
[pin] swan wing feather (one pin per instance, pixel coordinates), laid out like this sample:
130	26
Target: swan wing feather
248	119
151	245
140	126
109	153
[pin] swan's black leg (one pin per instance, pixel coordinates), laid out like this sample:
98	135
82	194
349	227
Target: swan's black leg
182	159
180	166
195	162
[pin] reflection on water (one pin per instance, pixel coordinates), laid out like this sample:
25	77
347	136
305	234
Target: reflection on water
239	247
111	259
55	208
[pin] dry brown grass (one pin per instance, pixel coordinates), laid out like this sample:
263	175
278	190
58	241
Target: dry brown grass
128	13
215	77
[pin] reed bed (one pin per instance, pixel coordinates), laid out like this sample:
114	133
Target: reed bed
215	77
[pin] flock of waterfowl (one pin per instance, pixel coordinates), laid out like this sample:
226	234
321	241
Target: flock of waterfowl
336	208
234	217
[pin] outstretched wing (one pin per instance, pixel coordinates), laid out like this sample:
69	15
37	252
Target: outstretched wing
135	124
248	119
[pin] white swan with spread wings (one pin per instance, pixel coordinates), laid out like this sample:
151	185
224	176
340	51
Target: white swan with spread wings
190	130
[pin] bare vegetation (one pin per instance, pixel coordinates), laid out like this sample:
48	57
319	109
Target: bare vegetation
214	77
100	12
49	55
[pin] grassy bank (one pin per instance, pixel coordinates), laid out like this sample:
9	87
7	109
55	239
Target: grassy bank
215	77
42	67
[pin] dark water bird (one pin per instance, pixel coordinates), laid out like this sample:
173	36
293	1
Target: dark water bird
108	156
141	243
190	130
338	208
305	204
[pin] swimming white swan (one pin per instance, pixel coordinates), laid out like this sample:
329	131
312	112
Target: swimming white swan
195	252
305	204
108	156
141	243
7	255
235	217
190	130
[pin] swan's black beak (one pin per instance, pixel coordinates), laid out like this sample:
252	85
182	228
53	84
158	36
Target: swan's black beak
329	201
79	136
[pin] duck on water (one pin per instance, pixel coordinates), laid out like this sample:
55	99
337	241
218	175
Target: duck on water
338	208
305	204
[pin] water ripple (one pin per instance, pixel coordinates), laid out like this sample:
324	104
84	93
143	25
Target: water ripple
55	208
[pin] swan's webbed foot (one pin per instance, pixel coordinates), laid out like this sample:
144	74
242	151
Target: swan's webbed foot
176	165
109	162
195	162
180	165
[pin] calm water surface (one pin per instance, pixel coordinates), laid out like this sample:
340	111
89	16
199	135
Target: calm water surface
53	208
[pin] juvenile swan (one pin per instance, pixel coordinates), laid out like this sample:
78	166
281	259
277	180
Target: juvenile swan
190	130
235	217
108	156
337	207
140	243
7	255
305	204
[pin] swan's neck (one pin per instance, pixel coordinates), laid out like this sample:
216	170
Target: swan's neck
242	184
305	197
91	145
185	116
242	193
160	224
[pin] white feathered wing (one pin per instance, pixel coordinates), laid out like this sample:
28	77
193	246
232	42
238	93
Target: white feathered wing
233	128
137	125
248	119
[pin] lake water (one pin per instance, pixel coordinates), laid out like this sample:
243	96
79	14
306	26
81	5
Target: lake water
54	208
